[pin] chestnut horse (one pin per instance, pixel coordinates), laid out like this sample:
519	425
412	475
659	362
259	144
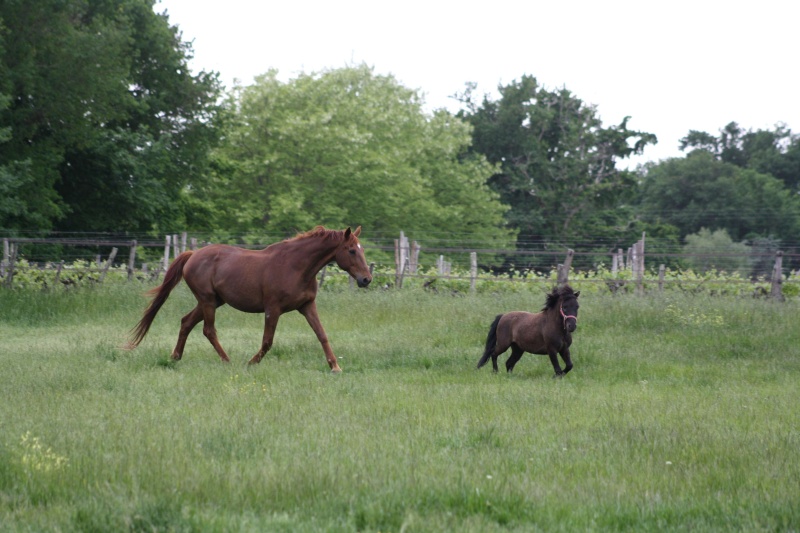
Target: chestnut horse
548	332
273	281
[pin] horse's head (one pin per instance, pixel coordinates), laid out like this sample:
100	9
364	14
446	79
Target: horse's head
350	258
569	308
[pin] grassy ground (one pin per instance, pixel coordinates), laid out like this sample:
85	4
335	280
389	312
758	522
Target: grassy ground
681	414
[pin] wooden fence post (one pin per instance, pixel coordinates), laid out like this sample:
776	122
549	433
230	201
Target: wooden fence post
167	243
413	258
4	264
108	264
473	271
58	272
563	270
776	291
183	242
400	259
193	244
11	264
661	271
132	260
176	247
639	246
443	266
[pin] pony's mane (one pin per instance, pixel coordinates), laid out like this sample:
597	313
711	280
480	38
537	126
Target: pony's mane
557	293
319	231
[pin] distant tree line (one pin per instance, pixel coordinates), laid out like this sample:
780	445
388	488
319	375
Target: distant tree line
104	128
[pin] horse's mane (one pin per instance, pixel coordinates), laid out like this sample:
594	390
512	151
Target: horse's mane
319	231
552	298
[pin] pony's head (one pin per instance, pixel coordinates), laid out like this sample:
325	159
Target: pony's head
566	301
350	257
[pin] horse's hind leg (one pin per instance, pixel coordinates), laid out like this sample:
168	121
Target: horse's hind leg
188	323
209	311
516	355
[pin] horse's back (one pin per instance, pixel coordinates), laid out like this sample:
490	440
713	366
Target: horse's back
213	260
232	274
526	330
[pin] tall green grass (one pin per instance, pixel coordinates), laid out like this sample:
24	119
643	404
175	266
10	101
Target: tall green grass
681	414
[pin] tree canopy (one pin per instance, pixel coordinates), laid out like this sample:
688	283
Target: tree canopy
347	146
775	152
557	163
700	191
106	129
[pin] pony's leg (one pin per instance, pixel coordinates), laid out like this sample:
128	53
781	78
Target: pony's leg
270	323
209	312
554	360
567	360
516	355
501	347
188	323
310	312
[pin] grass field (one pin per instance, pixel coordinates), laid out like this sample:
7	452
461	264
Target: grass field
681	415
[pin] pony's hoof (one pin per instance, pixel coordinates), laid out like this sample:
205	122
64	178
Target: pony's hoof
336	370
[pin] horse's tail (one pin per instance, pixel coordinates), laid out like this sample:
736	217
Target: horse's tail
171	279
491	341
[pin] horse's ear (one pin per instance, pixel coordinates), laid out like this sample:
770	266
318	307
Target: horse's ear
357	232
347	233
577	294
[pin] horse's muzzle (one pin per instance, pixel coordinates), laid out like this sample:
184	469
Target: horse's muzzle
571	325
363	281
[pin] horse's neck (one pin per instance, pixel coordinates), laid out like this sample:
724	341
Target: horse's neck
554	314
312	253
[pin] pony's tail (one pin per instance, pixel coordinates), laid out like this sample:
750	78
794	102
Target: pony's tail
491	341
171	279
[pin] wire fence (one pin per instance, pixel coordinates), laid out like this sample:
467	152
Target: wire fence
92	257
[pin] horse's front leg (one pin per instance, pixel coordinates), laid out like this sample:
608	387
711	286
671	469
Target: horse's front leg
309	311
270	323
554	361
567	360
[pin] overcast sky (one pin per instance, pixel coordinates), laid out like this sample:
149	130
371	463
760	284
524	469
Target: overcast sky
670	65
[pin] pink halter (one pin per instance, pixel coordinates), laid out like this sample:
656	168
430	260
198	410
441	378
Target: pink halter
567	316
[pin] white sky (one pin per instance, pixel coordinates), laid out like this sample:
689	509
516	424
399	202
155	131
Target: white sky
671	65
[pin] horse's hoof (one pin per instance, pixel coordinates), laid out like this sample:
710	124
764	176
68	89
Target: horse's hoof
336	370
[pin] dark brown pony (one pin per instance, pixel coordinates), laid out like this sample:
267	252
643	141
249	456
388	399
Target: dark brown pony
547	332
275	280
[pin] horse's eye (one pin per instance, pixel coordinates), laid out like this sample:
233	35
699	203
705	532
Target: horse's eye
352	251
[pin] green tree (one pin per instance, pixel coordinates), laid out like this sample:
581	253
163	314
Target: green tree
716	250
347	146
701	191
774	152
109	129
557	163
